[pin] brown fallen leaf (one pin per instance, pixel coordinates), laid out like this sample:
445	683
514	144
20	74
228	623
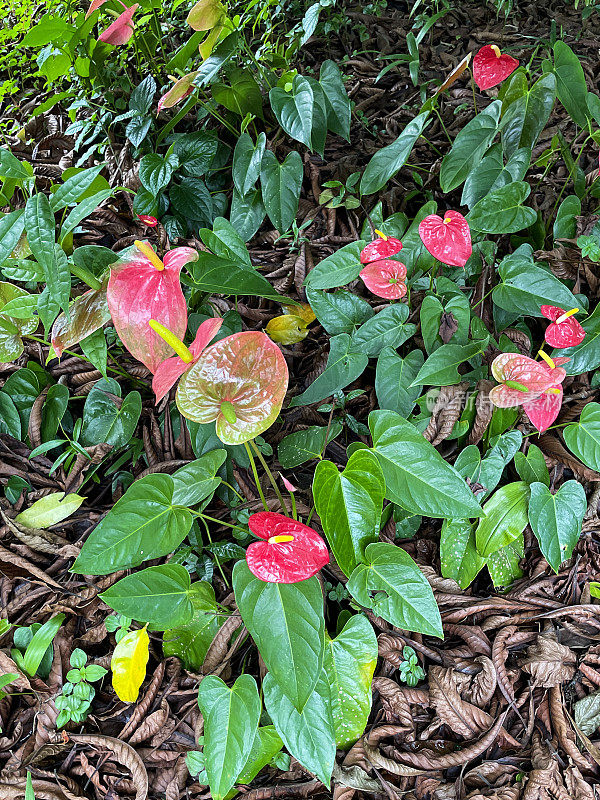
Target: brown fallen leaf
548	662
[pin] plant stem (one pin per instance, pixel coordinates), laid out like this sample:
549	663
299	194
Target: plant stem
270	474
84	274
255	474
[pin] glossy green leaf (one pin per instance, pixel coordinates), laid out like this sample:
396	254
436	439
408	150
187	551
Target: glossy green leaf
389	160
157	595
49	510
349	504
417	476
350	661
247	159
503	564
532	467
74	187
393	586
231	718
12	328
583	437
281	184
565	224
247	213
142	524
394	377
225	241
527	116
441	368
336	99
388	328
196	481
39	644
242	96
343	367
458	552
286	622
156	172
570	83
302	446
106	418
190	641
11	229
217	275
505	518
338	312
469	146
10	422
556	519
309	735
502	211
338	269
267	743
294	110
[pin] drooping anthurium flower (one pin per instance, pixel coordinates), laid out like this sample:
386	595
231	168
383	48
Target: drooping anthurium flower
240	382
385	278
564	331
142	287
383	247
447	238
181	89
151	222
168	373
532	384
290	551
121	30
491	67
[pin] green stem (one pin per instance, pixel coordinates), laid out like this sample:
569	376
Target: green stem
255	474
84	274
270	474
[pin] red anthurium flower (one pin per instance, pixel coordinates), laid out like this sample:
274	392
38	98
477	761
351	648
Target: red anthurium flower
448	239
534	385
290	551
151	222
121	30
564	331
385	278
142	287
384	247
240	382
491	67
169	372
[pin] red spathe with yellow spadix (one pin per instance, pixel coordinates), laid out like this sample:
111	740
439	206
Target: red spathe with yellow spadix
491	67
290	551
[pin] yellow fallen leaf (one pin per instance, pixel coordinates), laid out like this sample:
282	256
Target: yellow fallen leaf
303	310
128	664
287	329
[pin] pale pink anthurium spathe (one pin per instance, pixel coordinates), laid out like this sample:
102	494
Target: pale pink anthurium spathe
288	552
535	385
447	238
385	278
238	382
564	330
144	287
121	30
169	371
491	67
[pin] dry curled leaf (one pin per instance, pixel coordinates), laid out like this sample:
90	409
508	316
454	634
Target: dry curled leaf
548	662
122	753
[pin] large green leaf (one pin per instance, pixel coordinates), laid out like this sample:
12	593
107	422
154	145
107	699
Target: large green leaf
295	109
343	366
390	583
12	328
349	504
388	328
230	723
350	661
338	269
394	377
458	552
502	211
417	477
309	734
338	312
387	161
505	518
197	480
157	595
11	228
40	226
527	116
556	519
503	564
106	418
10	422
217	275
525	287
190	641
286	622
583	437
302	446
532	467
441	368
585	356
143	524
247	158
281	184
469	146
570	83
491	173
336	99
267	743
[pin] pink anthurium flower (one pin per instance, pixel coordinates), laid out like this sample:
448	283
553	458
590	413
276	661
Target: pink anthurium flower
142	287
240	382
491	67
385	278
448	239
181	89
564	331
169	372
121	30
151	222
383	247
94	5
534	385
290	551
